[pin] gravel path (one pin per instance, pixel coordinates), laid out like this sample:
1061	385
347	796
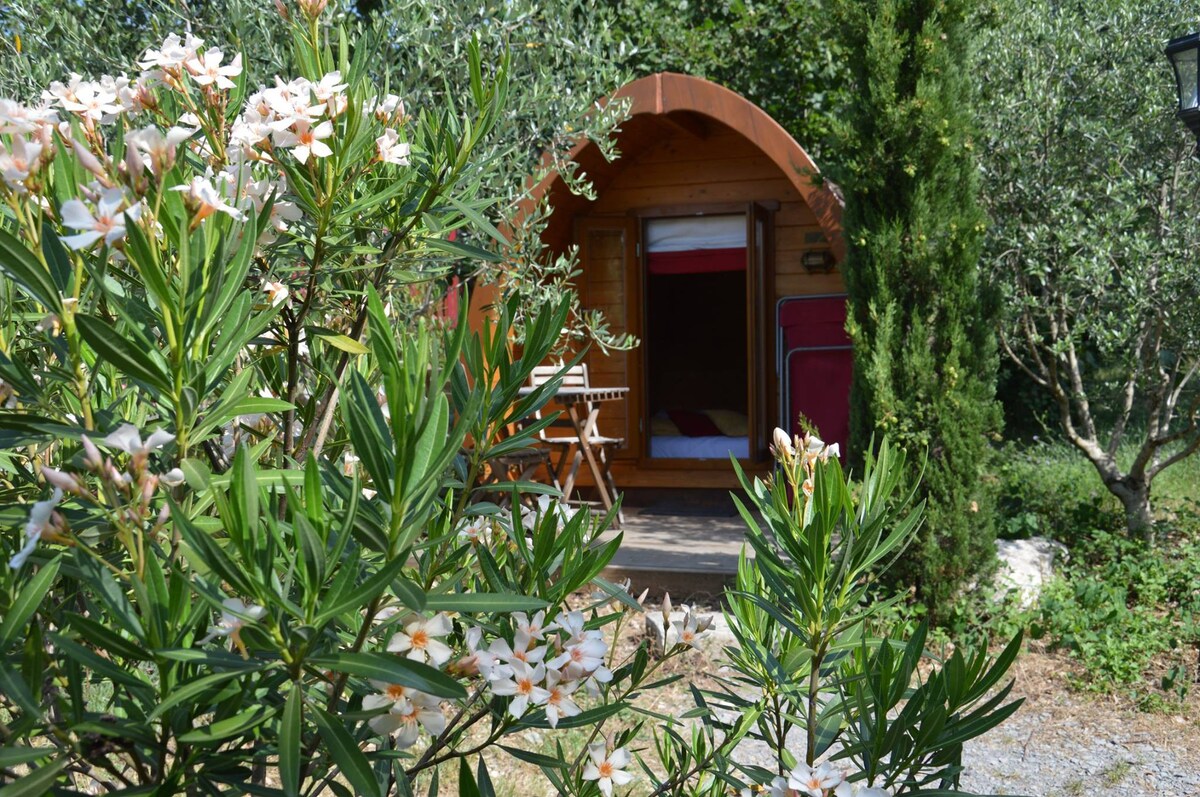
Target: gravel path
1028	757
1078	746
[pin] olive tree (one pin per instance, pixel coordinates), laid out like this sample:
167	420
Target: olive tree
1092	189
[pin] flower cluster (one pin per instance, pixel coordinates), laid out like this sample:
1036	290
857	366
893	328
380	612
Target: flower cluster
541	666
544	664
686	630
799	456
179	100
819	781
126	493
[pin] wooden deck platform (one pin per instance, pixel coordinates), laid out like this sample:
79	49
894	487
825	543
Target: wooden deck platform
693	556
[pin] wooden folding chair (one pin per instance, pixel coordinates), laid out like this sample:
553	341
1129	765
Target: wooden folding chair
563	436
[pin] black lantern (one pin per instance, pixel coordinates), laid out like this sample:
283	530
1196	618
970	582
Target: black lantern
1183	53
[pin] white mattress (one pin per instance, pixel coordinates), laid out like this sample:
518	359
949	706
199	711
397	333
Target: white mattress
683	447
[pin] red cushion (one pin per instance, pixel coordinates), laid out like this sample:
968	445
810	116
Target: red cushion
694	424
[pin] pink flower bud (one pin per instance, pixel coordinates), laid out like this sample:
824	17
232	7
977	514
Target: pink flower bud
63	481
312	8
92	454
87	160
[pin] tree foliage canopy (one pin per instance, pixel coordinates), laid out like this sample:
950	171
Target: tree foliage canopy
1092	189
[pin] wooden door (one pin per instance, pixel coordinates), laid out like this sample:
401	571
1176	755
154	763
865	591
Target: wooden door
609	283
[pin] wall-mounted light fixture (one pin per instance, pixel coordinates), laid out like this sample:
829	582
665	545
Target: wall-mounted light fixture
818	261
1184	52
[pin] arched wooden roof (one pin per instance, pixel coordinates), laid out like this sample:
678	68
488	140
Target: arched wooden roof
677	101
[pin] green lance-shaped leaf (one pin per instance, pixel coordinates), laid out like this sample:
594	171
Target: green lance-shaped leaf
194	689
344	751
36	783
344	343
57	258
290	731
393	669
12	756
237	725
19	265
467	787
128	358
16	689
370	435
28	600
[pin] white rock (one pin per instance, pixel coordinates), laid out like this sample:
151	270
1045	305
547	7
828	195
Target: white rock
1026	565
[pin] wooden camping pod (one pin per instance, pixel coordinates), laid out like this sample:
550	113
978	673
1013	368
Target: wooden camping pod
692	148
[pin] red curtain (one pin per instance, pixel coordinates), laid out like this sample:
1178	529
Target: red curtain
696	261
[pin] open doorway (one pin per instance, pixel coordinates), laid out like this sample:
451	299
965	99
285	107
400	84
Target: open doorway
697	376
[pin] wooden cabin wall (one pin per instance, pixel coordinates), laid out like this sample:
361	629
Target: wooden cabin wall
683	169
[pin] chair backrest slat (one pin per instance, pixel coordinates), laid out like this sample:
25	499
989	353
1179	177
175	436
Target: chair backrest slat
576	375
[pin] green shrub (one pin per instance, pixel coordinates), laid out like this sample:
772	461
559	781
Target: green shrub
1119	607
1047	490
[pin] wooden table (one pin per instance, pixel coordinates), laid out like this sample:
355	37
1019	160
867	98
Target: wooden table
582	407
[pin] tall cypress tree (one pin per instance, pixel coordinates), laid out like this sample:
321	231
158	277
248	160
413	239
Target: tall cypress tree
922	323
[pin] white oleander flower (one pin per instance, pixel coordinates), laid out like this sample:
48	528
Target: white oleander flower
607	770
814	781
306	140
160	149
204	200
128	439
173	53
236	615
41	516
276	292
848	789
206	69
558	702
523	687
419	642
391	149
18	119
583	658
107	223
94	101
19	161
405	721
688	630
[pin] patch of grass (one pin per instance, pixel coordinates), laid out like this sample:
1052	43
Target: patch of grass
1116	773
1074	788
1047	488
